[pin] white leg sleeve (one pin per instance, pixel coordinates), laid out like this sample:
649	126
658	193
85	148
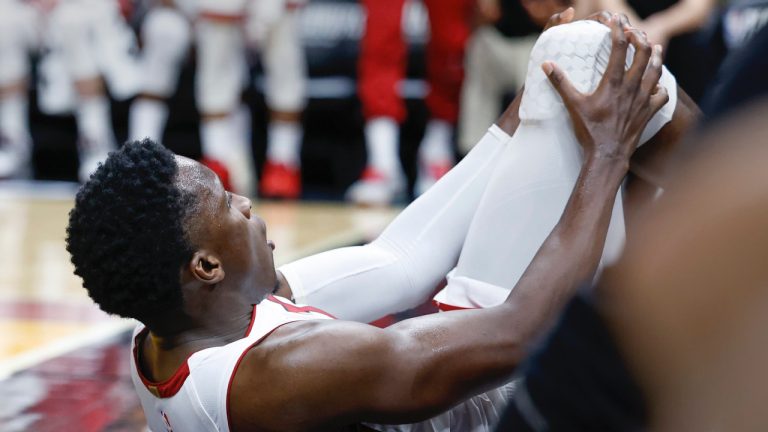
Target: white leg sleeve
220	66
285	65
533	181
401	268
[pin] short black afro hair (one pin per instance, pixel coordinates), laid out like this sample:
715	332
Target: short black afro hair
126	232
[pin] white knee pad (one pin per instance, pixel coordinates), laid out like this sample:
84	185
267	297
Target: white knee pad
166	36
533	180
285	65
18	25
221	67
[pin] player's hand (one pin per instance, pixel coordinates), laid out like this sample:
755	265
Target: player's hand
609	121
566	16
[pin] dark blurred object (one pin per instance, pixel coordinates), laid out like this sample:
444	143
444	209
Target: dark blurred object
578	381
742	77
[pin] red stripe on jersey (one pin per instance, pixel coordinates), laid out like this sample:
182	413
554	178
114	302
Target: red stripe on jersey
446	307
172	385
290	307
165	388
234	18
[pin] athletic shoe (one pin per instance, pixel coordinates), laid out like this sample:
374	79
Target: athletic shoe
376	188
429	174
280	181
220	170
15	162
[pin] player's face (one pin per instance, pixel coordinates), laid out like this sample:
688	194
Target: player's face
222	223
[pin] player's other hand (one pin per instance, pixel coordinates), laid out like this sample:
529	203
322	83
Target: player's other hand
609	121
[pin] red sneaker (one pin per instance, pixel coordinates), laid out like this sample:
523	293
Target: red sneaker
220	169
280	181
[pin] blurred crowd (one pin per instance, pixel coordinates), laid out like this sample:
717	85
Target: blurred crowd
84	59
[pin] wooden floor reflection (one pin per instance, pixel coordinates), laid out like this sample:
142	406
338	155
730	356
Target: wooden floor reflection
59	353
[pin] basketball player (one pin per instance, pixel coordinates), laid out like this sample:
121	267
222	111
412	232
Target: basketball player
208	359
222	30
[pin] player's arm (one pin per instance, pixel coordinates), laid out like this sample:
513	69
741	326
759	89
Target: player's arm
314	375
653	161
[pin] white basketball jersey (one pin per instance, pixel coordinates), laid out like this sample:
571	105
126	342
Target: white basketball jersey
195	397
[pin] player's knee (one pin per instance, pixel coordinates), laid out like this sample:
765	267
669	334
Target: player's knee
168	31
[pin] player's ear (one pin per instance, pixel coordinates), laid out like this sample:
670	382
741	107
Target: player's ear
206	267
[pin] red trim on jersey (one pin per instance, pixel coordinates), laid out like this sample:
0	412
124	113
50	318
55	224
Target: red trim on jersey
253	320
290	307
234	18
446	307
237	365
294	5
172	385
165	388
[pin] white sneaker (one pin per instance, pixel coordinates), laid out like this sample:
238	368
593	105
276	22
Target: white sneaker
15	161
376	188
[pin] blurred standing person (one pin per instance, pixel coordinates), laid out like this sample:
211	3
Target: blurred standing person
90	52
222	32
497	59
87	47
381	67
18	36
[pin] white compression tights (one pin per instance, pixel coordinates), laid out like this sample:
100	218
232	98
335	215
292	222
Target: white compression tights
494	209
405	263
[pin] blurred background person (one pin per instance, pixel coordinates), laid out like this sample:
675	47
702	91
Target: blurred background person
681	26
19	35
381	67
87	49
497	59
222	32
90	54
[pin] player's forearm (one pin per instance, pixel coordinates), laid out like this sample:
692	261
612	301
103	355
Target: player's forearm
569	256
683	17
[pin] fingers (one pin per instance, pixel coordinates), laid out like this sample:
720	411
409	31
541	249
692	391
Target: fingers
658	100
614	72
603	17
561	83
653	72
643	52
563	17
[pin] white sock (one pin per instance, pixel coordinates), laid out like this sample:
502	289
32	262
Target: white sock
147	119
401	268
14	125
381	141
284	143
94	125
16	148
436	146
221	139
